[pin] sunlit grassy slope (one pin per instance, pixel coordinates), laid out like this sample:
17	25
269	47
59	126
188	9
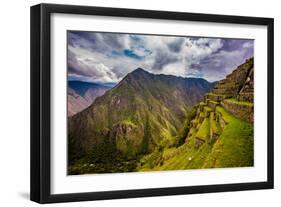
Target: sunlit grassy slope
233	148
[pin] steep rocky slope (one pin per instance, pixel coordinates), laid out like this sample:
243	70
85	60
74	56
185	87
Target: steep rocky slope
80	95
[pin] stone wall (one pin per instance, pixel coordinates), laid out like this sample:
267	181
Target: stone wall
235	94
242	111
249	97
232	84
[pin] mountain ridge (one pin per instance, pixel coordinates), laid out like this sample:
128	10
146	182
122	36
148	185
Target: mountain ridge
82	94
142	112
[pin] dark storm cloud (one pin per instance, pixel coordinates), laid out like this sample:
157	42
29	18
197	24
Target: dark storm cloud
176	45
234	44
108	57
227	58
162	59
114	41
102	42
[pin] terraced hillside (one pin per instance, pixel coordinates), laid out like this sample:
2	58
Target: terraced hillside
221	134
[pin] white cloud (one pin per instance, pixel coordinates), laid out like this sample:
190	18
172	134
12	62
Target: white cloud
248	45
101	57
176	69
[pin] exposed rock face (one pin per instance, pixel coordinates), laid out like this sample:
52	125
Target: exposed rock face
80	95
236	92
236	81
124	135
75	102
247	91
242	110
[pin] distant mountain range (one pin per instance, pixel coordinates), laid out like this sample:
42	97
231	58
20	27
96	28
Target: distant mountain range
82	94
143	112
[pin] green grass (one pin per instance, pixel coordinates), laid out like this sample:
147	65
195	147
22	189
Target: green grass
233	148
194	121
245	103
198	157
129	123
227	117
214	102
214	125
207	108
204	130
172	159
215	96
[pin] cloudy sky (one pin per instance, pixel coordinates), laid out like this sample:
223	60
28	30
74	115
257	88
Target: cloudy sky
108	57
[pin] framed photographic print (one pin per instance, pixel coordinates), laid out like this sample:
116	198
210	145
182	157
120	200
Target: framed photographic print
133	103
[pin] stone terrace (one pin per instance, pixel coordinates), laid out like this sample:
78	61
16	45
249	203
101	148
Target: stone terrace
235	94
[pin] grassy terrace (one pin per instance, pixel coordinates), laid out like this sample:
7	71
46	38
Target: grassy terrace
202	104
214	102
207	108
192	132
233	148
194	121
214	125
201	114
213	96
245	103
227	117
204	130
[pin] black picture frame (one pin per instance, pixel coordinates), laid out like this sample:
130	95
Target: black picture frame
41	96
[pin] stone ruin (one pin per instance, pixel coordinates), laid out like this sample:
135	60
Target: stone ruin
235	94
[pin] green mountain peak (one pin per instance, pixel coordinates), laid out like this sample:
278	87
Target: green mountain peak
141	113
